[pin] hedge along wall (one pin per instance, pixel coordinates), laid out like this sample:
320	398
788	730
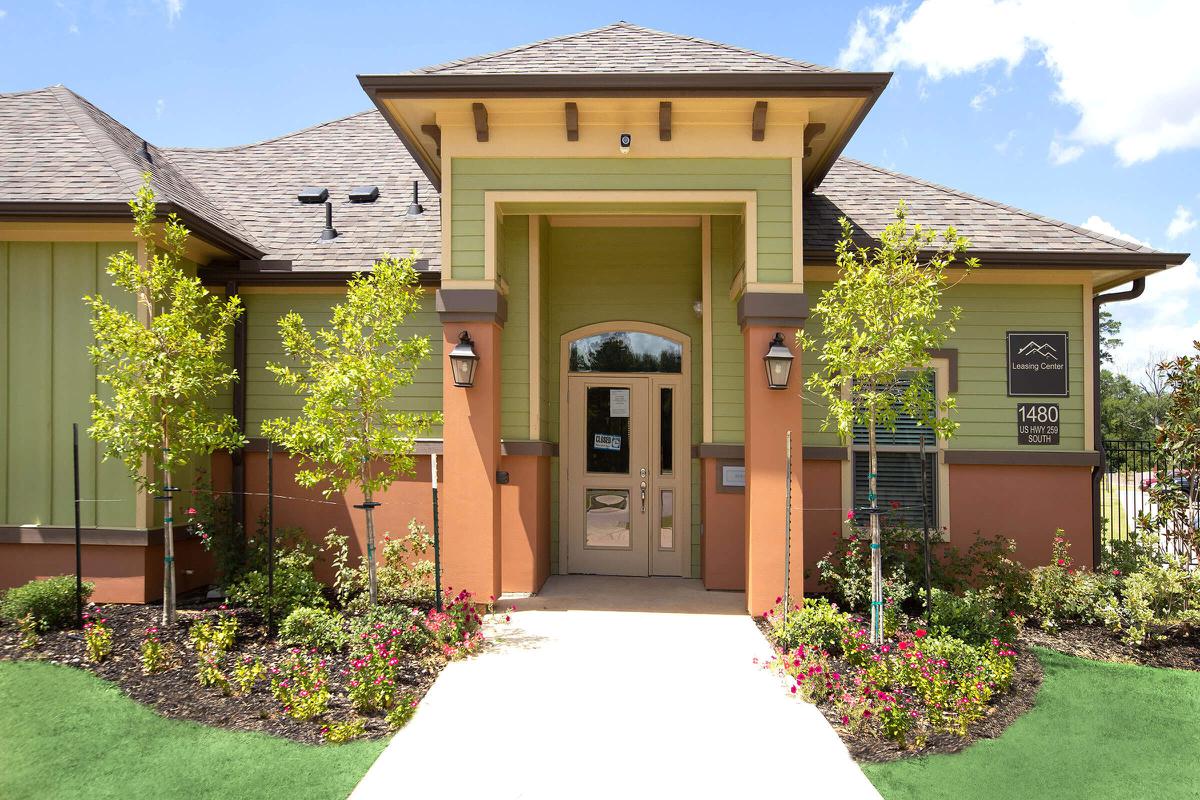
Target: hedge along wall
47	380
987	416
265	398
770	178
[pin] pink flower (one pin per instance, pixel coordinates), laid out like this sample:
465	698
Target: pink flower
920	633
191	511
850	514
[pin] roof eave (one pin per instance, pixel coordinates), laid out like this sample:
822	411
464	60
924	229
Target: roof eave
1042	259
119	211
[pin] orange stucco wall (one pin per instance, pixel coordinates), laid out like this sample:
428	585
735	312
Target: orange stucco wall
525	523
471	549
769	415
824	517
723	551
1025	504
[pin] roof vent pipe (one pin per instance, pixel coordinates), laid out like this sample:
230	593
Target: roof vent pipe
329	232
416	209
146	152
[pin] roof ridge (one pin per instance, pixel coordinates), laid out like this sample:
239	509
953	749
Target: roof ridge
1125	243
731	47
21	92
100	139
508	51
270	140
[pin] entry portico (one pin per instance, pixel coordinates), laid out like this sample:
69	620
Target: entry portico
622	248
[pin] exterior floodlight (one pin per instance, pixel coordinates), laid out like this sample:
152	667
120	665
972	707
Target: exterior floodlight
463	361
779	363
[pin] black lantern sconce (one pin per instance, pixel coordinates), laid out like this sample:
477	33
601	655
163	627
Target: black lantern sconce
463	361
779	363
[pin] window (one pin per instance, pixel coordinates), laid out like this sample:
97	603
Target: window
626	351
900	471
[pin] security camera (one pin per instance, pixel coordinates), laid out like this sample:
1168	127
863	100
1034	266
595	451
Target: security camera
626	140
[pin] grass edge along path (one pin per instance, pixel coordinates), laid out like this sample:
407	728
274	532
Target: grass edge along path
1099	731
65	733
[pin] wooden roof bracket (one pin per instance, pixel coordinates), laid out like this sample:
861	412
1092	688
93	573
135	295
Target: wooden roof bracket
811	131
481	121
758	122
572	118
434	132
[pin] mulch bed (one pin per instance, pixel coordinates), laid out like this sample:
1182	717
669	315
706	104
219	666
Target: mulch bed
175	693
1100	644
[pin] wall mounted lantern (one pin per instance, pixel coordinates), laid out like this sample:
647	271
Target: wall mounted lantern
463	361
779	363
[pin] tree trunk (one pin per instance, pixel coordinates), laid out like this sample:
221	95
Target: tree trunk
876	554
168	610
372	582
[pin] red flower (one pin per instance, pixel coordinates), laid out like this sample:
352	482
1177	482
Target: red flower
191	511
920	633
904	645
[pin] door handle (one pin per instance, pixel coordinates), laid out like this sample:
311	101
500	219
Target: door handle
643	497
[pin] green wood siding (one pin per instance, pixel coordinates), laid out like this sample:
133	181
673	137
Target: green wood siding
514	337
987	416
48	381
265	398
728	350
769	177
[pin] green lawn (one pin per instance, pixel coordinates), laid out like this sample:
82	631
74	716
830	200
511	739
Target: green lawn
1098	731
66	734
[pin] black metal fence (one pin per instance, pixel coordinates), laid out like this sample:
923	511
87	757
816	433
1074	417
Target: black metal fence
1124	490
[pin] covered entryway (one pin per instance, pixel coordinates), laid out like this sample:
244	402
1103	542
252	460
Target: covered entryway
625	482
607	687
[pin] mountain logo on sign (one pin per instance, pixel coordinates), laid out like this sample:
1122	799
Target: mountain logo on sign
1041	349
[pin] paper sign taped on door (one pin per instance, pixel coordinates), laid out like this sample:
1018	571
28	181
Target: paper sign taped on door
618	402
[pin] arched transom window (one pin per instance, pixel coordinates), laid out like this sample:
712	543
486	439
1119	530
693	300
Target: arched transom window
625	351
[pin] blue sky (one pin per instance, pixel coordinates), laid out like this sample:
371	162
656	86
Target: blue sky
1087	112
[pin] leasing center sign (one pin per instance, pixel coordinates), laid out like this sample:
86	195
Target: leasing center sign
1037	364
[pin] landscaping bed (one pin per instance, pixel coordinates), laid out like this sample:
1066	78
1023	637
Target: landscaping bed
176	692
1100	644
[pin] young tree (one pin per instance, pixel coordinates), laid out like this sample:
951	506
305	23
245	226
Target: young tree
1175	493
878	323
348	432
164	364
1110	335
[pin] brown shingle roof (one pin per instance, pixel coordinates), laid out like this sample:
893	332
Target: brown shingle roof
258	184
56	147
622	48
867	195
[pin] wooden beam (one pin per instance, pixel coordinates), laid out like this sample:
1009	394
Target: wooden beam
664	121
812	130
434	132
481	121
758	124
572	112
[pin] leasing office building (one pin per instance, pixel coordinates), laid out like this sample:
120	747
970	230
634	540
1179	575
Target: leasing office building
621	221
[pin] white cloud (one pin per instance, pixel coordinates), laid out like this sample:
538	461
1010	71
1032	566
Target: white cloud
1163	321
160	105
1063	154
1181	223
3	13
1002	146
987	92
1130	70
173	8
73	28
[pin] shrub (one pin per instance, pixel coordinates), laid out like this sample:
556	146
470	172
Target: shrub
295	586
846	570
342	732
301	684
314	628
377	652
1153	599
29	629
817	624
216	634
403	711
97	636
246	673
459	628
211	519
974	616
154	653
404	575
50	601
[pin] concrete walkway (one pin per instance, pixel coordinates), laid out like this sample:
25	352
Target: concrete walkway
617	688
